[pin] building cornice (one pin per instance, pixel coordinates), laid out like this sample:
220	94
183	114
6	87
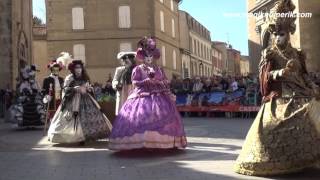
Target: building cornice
198	36
201	25
260	5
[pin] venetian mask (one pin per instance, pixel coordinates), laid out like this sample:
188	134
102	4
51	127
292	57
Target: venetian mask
127	62
78	70
281	38
148	59
123	62
55	70
32	74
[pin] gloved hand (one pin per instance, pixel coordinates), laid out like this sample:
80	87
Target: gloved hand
173	97
81	89
47	99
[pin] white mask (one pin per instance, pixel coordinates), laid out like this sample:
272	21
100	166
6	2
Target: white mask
122	62
128	63
78	71
148	59
281	38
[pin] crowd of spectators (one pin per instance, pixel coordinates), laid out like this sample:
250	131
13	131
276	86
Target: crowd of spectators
188	86
228	84
212	84
104	90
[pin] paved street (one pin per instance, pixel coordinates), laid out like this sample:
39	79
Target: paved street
213	147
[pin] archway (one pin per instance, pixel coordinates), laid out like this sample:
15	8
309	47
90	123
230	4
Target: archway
22	52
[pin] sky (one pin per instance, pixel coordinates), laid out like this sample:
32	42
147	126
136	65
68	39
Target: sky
39	9
225	19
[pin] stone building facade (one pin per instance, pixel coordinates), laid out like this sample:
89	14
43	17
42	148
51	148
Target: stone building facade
223	48
195	46
217	62
95	31
40	55
5	42
233	62
307	36
16	38
244	65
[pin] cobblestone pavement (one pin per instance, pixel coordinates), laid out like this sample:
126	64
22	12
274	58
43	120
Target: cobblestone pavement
213	147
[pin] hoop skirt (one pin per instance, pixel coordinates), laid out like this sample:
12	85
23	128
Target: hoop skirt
78	118
281	142
149	118
285	135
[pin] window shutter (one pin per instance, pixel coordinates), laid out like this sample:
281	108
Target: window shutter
163	55
172	5
79	52
124	17
77	18
174	58
125	47
162	21
173	28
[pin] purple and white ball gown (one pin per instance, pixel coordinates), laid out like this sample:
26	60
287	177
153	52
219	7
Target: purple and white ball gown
149	118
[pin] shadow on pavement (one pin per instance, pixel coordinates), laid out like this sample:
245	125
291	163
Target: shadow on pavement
202	160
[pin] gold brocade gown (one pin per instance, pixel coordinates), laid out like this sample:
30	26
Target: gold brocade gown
285	136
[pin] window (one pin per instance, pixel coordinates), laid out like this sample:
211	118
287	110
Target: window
194	70
172	5
124	17
79	52
206	70
193	46
162	21
207	54
77	18
198	48
174	59
163	55
173	28
125	47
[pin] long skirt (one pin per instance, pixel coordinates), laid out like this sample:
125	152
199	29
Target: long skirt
89	123
148	122
284	138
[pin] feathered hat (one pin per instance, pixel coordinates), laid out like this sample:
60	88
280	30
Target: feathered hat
122	55
64	59
54	63
282	17
73	64
147	47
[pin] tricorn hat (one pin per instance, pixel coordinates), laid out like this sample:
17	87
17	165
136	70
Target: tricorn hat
122	55
73	64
